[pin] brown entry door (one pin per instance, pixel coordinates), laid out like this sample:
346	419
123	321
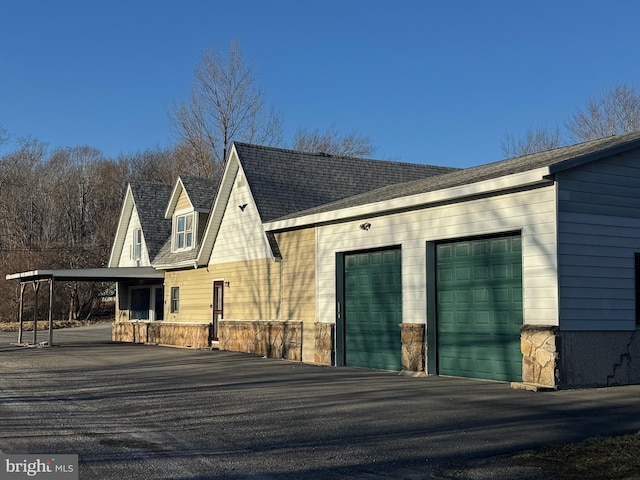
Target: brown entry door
218	303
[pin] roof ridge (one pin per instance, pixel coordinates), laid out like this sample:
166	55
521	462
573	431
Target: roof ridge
333	156
632	134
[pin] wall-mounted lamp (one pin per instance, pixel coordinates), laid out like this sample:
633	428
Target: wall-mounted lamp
365	226
242	207
226	284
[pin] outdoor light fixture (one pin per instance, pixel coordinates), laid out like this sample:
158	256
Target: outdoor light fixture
365	226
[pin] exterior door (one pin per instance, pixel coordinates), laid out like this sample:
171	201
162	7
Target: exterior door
372	310
140	298
159	303
218	307
479	308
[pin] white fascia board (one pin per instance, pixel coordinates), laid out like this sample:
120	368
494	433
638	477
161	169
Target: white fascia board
507	182
121	231
90	274
219	205
173	199
178	265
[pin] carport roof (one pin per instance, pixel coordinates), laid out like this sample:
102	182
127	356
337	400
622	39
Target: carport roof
89	274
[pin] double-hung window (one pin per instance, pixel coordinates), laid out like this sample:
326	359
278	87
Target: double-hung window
184	232
175	299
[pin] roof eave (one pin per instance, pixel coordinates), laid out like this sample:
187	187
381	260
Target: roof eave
485	187
89	274
193	263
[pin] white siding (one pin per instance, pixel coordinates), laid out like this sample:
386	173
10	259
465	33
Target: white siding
125	256
599	218
241	236
531	212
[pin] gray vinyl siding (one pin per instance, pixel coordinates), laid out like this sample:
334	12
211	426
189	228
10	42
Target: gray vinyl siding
598	234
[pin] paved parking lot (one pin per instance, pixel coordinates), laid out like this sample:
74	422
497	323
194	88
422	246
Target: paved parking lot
147	412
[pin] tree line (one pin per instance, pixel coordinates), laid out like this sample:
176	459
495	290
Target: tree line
59	208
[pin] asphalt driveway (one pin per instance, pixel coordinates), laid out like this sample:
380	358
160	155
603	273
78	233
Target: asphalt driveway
147	412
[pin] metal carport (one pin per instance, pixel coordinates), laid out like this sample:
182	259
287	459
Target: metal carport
36	277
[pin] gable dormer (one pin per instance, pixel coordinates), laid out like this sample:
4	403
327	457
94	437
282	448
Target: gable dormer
141	229
188	210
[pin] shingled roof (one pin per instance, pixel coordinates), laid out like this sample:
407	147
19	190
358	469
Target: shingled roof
151	200
287	181
201	191
559	158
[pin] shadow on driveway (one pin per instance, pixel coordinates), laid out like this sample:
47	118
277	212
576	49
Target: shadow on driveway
167	413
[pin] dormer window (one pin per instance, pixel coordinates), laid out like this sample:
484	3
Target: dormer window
184	232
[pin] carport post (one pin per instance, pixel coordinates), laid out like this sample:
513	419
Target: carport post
51	312
36	287
21	312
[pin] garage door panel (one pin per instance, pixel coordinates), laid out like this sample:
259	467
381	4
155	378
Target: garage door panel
479	314
373	309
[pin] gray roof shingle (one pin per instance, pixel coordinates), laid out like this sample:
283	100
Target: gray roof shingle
594	148
151	201
201	191
286	181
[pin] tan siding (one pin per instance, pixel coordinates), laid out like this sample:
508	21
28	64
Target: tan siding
260	289
299	284
183	202
254	289
195	295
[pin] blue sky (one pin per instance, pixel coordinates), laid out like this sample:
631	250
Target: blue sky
437	82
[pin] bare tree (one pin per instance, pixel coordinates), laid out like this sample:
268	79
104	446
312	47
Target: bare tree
331	141
535	140
4	135
612	112
225	105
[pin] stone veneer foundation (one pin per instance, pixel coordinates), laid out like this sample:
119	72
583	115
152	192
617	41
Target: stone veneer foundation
162	333
323	354
413	348
268	339
540	346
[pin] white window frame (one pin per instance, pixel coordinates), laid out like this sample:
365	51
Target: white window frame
187	234
136	247
174	301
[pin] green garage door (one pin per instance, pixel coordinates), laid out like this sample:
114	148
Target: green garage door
373	309
479	291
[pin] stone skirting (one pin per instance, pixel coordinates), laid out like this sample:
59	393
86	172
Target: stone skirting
264	338
413	348
323	354
540	348
129	332
162	333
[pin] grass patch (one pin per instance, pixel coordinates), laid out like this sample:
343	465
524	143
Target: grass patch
616	458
